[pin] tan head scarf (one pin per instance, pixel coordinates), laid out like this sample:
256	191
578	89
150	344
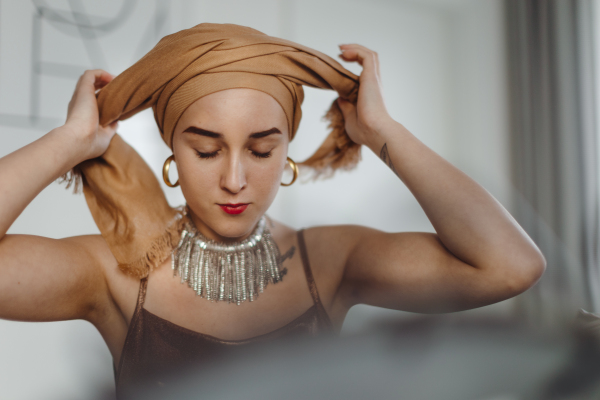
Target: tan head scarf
124	197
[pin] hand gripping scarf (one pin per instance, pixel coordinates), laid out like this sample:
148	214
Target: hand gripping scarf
123	194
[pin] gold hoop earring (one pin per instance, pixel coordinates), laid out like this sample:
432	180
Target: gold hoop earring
166	167
294	167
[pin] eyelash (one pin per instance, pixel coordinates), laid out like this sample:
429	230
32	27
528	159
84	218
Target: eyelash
215	153
207	155
261	155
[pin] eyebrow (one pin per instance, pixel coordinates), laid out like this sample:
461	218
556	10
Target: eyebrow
216	135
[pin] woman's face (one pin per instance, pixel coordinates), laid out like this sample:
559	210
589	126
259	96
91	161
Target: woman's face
230	149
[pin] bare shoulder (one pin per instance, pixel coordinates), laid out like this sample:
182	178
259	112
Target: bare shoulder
327	250
326	243
332	245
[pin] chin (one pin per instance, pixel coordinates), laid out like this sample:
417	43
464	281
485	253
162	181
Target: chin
236	229
231	226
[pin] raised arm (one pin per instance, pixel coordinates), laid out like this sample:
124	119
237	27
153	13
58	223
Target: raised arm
40	278
480	254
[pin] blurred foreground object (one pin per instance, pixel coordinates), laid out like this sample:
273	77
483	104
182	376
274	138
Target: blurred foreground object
432	357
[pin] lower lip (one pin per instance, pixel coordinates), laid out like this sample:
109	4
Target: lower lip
234	210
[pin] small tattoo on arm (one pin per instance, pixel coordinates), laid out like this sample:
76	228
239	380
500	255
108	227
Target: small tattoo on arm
385	156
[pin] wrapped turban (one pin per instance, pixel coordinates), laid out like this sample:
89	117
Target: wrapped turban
124	197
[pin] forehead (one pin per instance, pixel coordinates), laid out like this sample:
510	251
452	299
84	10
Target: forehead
239	105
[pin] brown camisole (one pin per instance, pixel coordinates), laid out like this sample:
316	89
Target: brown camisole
154	345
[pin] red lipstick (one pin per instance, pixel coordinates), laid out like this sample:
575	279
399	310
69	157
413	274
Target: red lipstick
234	208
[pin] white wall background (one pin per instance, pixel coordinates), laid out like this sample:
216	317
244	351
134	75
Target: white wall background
442	63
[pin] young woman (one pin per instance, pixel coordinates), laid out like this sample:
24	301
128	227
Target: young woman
230	148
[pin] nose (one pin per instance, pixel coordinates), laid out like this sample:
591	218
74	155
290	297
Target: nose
233	179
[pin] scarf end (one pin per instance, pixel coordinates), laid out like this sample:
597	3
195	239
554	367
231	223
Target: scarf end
158	251
338	151
73	178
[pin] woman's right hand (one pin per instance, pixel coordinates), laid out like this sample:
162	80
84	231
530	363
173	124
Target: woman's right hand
82	115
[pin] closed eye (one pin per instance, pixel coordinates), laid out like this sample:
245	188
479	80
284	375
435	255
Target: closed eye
207	155
261	155
216	152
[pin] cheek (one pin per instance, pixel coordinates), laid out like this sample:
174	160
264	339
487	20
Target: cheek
195	178
266	179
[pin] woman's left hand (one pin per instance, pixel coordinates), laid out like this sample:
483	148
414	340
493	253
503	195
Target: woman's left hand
368	117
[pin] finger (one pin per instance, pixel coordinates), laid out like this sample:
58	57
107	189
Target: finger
358	46
102	80
367	59
362	49
354	55
94	78
357	52
377	64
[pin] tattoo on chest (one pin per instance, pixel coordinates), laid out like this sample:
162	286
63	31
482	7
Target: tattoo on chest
385	156
285	256
288	254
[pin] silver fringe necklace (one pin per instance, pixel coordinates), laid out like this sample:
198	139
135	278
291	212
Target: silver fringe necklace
221	271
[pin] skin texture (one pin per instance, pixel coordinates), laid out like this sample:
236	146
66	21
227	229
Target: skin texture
479	255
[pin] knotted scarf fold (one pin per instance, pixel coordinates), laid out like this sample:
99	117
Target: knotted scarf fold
124	196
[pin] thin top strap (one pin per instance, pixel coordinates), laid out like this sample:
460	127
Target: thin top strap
141	294
309	276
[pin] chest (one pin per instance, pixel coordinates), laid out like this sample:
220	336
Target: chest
278	304
173	304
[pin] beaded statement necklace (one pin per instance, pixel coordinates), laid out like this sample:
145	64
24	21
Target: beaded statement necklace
221	271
